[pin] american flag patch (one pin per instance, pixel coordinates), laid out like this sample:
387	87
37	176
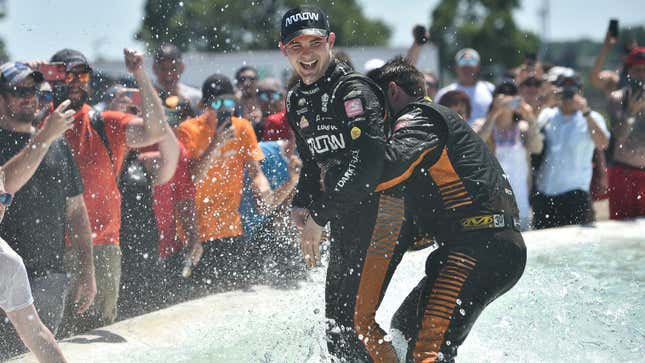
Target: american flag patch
354	107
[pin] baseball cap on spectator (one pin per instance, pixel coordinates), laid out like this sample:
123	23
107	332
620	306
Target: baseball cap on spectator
72	58
13	73
303	20
569	77
555	72
167	52
216	85
636	56
467	57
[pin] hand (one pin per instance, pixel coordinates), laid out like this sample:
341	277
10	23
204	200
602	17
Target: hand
58	122
420	34
609	40
580	103
195	253
310	243
224	134
133	60
86	292
526	111
636	102
34	64
295	165
299	216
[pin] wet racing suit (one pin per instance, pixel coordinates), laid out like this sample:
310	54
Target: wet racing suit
338	124
440	182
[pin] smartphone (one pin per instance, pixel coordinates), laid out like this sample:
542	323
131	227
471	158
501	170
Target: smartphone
59	94
134	95
613	28
514	103
53	72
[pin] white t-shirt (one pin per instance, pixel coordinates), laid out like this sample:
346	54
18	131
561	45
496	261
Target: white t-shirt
513	157
480	94
15	292
569	150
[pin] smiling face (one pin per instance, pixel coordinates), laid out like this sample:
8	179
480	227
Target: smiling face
309	55
22	104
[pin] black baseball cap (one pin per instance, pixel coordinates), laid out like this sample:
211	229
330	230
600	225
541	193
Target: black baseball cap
303	20
71	58
216	85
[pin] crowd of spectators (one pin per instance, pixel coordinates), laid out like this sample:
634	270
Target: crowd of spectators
160	192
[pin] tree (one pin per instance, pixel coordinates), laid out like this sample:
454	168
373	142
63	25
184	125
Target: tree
224	25
485	25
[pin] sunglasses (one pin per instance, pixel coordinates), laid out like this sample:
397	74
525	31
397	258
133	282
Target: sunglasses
83	77
226	102
23	92
245	78
5	199
270	95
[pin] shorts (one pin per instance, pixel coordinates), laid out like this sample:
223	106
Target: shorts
107	267
626	192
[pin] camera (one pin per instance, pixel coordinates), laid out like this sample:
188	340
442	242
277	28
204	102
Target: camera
568	92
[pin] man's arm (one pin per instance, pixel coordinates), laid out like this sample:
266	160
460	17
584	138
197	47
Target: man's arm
152	127
269	200
35	335
347	184
163	163
605	81
20	168
80	236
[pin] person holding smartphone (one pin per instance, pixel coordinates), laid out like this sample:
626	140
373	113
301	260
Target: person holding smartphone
627	153
571	133
510	129
221	148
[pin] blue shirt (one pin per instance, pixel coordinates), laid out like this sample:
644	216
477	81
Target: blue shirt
276	169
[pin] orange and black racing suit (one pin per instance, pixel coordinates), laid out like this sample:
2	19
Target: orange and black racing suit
338	124
439	180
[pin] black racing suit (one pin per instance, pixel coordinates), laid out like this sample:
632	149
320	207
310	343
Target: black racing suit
440	181
338	124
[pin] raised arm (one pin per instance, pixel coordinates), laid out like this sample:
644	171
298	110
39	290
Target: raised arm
20	168
152	127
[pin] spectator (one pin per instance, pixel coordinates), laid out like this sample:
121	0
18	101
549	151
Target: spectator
99	142
571	132
532	92
479	92
421	37
627	154
274	125
511	130
143	170
49	205
168	67
246	79
270	236
457	101
221	147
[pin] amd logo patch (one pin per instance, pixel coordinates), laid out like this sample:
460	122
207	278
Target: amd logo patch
301	17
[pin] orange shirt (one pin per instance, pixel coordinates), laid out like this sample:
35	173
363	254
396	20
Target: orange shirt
218	196
101	192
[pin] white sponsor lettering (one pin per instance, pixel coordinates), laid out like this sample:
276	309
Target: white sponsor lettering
322	144
350	172
301	17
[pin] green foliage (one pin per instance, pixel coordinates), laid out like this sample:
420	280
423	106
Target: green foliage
485	25
224	25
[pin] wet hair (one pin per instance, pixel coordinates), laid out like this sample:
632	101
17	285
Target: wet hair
167	51
401	72
455	97
244	69
342	56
